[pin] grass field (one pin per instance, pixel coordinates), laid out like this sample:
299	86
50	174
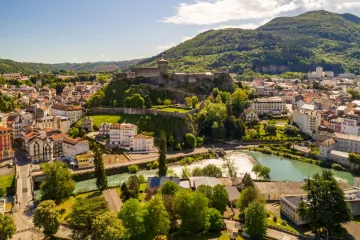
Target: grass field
112	118
278	223
166	108
67	205
6	180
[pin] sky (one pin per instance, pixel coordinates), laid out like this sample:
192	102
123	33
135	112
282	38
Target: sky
55	31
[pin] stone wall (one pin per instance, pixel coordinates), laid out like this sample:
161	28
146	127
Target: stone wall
140	111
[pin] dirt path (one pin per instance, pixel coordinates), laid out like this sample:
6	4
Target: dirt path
113	199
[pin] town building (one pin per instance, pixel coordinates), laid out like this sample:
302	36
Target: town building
289	205
87	124
104	129
74	113
85	160
268	106
141	143
347	125
54	122
57	141
120	134
251	115
6	152
308	121
73	147
38	147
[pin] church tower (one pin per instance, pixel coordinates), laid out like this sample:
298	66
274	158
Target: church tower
163	66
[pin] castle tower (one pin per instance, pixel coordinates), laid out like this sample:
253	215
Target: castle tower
163	66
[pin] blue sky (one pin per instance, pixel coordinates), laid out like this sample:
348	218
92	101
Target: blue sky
53	31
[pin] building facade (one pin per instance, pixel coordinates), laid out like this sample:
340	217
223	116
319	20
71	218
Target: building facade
308	121
268	106
161	70
74	113
141	143
38	147
87	124
6	152
72	147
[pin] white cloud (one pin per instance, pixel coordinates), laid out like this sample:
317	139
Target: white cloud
204	12
166	47
103	56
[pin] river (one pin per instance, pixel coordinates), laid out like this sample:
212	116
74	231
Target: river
281	169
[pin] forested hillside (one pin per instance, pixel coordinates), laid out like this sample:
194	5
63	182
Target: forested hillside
284	44
9	66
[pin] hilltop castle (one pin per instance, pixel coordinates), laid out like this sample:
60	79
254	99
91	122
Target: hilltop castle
161	70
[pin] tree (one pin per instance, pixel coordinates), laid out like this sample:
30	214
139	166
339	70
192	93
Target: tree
132	215
190	140
156	218
188	101
212	170
47	216
247	196
185	172
7	227
271	129
169	187
207	191
162	155
325	207
255	220
108	226
248	182
74	132
147	102
291	130
265	173
58	184
214	219
220	198
194	101
83	213
256	169
167	102
133	185
124	195
239	101
196	172
192	209
100	174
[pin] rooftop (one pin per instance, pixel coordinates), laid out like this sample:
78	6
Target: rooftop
282	188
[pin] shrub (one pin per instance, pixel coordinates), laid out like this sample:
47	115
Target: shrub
133	168
283	222
275	219
337	167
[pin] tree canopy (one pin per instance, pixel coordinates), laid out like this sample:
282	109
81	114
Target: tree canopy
47	216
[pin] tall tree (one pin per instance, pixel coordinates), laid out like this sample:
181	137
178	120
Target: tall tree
100	173
7	227
156	218
247	196
162	155
133	185
325	207
47	217
108	226
192	208
207	191
169	188
255	220
220	198
132	214
83	213
58	184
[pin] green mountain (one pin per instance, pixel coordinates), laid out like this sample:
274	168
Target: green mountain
284	44
9	66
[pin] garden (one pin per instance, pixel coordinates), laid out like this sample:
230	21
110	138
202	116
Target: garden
111	118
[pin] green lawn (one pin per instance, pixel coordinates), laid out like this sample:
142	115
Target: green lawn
165	108
112	118
143	187
6	181
278	223
67	205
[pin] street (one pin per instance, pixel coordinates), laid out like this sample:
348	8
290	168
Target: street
24	205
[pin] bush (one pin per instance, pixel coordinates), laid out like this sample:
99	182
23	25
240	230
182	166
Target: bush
153	165
284	223
275	219
337	167
190	140
133	168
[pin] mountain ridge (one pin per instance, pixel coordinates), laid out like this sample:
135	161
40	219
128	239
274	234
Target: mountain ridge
298	43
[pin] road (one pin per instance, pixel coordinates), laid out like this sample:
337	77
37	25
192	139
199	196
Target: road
24	205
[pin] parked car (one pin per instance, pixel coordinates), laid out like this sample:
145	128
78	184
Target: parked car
10	165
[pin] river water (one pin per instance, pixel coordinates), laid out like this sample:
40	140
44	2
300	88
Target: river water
281	169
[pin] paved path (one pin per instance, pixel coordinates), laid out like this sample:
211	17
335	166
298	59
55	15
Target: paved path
113	199
279	235
353	229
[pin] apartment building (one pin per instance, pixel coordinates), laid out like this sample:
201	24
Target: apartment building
120	134
266	106
104	129
347	125
54	122
72	147
6	152
38	147
74	113
308	121
141	143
